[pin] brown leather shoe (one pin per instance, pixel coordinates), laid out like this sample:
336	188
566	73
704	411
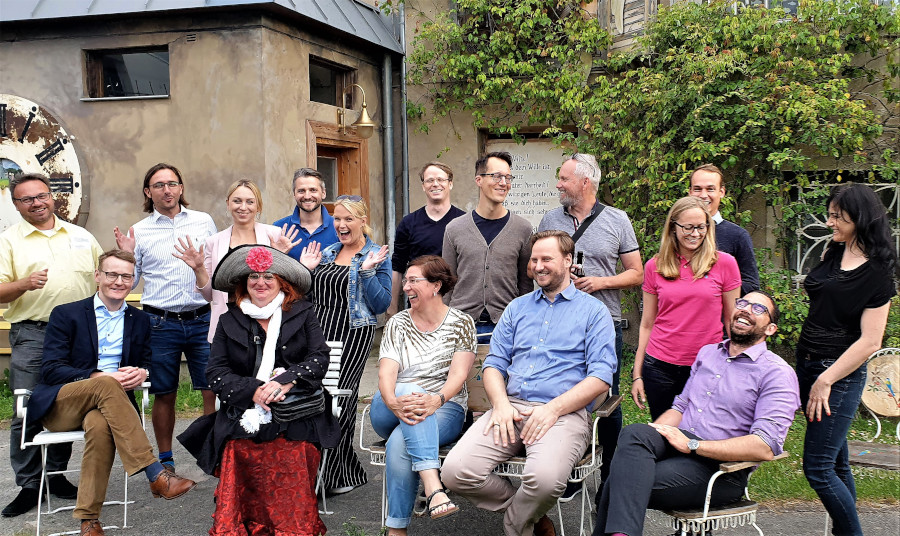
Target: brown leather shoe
91	527
544	527
169	486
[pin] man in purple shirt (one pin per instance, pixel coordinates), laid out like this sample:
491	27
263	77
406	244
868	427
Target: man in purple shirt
737	405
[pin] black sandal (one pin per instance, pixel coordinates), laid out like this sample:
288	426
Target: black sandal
451	508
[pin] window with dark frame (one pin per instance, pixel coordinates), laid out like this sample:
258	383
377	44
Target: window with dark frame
328	80
127	72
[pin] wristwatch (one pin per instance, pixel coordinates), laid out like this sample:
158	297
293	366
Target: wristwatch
694	444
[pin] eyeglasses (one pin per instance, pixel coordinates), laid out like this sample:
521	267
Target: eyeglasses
267	277
160	185
497	177
587	160
757	309
435	180
28	201
413	280
112	277
353	198
689	229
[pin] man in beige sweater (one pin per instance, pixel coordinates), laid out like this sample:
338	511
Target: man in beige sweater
489	249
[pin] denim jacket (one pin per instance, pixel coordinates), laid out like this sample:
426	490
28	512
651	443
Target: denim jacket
370	290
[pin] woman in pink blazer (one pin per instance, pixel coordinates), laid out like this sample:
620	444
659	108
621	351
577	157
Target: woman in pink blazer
244	203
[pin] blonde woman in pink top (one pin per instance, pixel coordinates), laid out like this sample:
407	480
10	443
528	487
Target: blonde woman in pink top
688	286
244	203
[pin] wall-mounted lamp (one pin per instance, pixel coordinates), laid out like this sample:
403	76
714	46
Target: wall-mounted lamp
365	127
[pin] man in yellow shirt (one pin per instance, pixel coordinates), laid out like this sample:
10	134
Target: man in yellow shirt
44	262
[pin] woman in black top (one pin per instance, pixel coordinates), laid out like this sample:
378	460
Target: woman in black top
849	298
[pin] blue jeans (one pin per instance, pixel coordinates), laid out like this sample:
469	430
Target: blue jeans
169	339
826	461
411	448
484	332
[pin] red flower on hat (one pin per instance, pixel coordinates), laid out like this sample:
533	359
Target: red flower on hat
259	259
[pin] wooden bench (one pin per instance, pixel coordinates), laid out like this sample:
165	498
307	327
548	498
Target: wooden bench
477	405
874	456
132	299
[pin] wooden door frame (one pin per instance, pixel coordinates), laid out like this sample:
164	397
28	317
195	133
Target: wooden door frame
330	135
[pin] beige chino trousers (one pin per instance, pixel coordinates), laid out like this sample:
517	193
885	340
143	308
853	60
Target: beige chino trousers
100	407
549	462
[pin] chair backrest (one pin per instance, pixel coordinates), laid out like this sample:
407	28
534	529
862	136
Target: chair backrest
478	400
330	381
881	393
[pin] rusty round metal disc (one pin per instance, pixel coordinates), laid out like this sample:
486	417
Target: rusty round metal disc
882	392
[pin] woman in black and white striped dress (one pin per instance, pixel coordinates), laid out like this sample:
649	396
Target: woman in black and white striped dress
351	285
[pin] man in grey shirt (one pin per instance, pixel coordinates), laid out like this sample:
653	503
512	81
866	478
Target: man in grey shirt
607	238
488	249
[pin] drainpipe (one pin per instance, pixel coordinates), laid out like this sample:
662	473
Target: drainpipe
390	205
404	133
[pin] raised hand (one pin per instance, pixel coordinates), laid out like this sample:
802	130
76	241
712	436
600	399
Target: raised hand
373	259
188	253
286	241
311	255
125	241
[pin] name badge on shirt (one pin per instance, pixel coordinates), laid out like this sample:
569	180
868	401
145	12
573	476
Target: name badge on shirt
79	242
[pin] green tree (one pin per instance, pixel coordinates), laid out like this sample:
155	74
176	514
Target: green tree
753	91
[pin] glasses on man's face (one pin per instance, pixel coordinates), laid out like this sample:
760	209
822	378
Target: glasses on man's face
689	229
265	277
412	280
160	185
112	277
497	178
435	180
29	200
757	309
354	198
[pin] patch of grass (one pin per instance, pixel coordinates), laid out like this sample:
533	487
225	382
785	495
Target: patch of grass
783	480
352	529
187	401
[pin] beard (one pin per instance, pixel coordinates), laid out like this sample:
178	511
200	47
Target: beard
314	209
568	201
748	338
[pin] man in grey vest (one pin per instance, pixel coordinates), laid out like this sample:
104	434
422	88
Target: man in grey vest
605	236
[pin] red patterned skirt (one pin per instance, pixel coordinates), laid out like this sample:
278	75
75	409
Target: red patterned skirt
267	489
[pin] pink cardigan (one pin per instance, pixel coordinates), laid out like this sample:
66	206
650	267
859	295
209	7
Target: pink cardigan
216	247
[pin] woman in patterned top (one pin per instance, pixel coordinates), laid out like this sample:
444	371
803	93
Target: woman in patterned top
426	354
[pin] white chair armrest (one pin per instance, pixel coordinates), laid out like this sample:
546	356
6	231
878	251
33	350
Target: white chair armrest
22	396
144	388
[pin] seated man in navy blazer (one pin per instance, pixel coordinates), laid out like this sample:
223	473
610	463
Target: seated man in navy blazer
95	354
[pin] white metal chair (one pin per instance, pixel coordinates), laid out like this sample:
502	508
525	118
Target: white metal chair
46	438
736	514
478	404
339	397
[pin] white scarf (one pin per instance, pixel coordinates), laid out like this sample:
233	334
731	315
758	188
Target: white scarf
256	416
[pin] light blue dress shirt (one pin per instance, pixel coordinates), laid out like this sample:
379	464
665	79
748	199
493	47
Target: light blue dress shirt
110	335
545	348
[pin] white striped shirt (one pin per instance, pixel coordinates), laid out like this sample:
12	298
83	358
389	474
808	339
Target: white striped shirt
169	283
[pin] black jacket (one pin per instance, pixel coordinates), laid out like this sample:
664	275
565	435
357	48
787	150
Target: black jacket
71	350
301	351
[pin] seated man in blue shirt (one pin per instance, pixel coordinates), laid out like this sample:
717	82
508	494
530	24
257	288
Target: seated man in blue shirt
95	354
552	353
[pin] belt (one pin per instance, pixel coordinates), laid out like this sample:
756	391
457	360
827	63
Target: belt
184	315
38	323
